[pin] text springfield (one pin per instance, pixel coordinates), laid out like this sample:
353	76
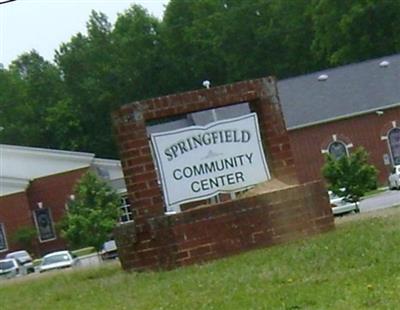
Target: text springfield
198	162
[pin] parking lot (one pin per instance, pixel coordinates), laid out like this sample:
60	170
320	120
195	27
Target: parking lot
87	261
382	200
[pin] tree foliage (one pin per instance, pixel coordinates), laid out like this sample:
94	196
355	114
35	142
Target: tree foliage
25	237
350	176
67	104
348	31
28	90
92	214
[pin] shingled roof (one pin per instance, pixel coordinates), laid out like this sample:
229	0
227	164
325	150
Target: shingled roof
348	91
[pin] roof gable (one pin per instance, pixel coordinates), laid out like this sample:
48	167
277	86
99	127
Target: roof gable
19	164
10	186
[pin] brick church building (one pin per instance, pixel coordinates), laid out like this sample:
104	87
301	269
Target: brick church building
340	109
35	186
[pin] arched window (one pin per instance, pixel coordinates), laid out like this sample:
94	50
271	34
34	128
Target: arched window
3	241
394	145
337	149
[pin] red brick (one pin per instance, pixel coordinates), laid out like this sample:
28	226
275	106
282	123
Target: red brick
53	192
200	250
226	228
148	176
153	192
364	130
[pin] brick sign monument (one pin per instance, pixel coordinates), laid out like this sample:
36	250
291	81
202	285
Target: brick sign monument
210	173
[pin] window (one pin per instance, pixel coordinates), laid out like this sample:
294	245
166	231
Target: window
394	145
44	224
126	211
337	149
3	241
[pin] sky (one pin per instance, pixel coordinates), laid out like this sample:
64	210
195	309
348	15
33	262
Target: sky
44	24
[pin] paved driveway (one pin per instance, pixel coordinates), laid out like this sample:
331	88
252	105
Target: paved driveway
380	201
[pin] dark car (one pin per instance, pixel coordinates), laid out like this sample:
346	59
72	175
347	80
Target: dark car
109	250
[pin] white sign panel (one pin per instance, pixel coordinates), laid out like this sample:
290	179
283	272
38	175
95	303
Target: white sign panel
198	162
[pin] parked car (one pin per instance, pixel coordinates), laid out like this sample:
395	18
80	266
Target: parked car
109	250
24	259
9	268
341	206
58	260
394	178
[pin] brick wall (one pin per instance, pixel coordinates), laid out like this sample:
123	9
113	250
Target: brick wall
221	230
159	241
53	192
365	130
16	210
14	213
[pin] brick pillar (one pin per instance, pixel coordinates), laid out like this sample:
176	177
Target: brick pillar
137	164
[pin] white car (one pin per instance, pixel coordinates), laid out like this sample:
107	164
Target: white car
24	259
341	206
58	260
9	268
394	178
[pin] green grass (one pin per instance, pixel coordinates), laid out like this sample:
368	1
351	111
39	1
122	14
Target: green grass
84	251
357	266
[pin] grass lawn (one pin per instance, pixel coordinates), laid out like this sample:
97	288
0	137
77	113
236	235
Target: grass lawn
357	266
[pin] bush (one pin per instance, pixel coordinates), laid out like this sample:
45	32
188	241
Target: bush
92	214
24	237
350	176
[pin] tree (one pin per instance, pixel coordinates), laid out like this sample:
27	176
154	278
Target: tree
28	89
350	176
191	34
138	58
86	65
92	214
67	104
25	237
349	31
